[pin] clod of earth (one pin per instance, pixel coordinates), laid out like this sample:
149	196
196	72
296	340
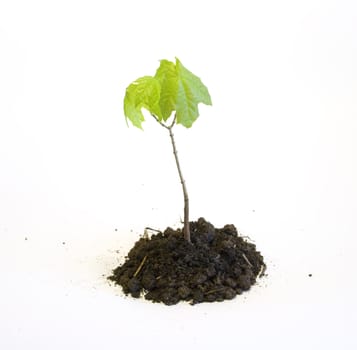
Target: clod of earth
217	265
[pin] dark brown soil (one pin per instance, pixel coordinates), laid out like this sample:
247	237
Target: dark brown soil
218	265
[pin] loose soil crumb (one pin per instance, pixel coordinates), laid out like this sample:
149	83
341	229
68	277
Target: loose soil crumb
216	266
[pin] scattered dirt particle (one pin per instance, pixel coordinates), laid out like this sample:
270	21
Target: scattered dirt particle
217	266
310	274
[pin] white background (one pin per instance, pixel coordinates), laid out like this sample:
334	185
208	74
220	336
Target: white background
275	155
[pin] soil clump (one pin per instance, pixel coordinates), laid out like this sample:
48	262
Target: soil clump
217	265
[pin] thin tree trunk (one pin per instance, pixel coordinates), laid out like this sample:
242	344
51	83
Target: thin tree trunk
186	220
186	225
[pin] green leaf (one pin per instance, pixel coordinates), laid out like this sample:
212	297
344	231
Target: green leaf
142	93
173	88
191	91
167	77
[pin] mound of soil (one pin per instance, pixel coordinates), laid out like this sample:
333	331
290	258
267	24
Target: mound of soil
217	265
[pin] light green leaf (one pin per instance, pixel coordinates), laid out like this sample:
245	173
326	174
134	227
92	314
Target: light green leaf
173	89
191	91
167	76
186	107
142	93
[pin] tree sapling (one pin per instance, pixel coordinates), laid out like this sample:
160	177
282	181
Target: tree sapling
172	92
214	264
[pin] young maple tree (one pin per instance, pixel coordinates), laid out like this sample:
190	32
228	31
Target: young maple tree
172	91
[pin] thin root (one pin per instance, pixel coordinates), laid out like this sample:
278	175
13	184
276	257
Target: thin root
146	234
246	259
248	238
140	266
152	229
214	291
262	271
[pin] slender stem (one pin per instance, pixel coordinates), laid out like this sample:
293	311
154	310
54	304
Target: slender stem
186	225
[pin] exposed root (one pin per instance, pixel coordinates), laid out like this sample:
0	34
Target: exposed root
140	266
